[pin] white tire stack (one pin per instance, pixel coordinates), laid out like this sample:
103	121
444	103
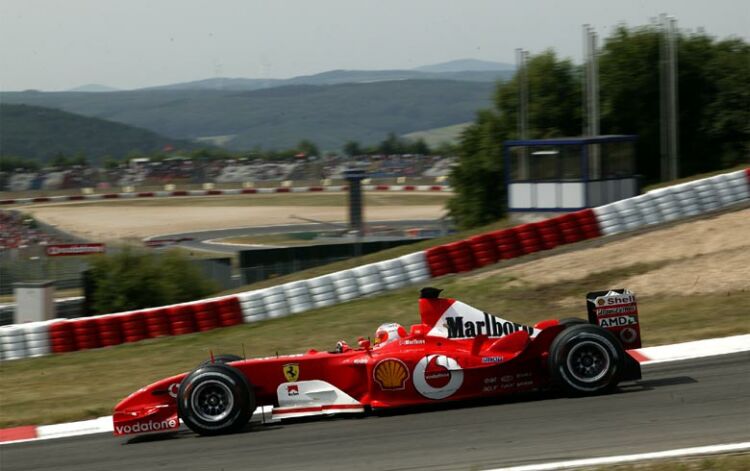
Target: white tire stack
368	279
298	296
392	273
13	342
415	267
346	285
253	306
275	302
37	338
609	220
322	291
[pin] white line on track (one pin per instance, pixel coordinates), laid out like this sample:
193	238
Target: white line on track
679	453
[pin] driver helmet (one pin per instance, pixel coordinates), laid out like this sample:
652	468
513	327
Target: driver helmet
388	333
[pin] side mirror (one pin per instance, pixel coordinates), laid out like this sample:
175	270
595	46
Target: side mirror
364	343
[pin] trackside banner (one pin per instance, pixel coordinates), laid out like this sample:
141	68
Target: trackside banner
60	250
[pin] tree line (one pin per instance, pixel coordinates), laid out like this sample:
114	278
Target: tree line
714	112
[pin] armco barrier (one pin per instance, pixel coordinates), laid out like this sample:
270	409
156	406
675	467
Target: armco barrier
654	207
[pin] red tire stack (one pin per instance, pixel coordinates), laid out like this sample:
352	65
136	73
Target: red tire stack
61	337
586	220
206	317
133	327
507	244
157	323
528	235
570	229
460	254
85	333
230	311
110	330
181	320
439	262
484	249
550	233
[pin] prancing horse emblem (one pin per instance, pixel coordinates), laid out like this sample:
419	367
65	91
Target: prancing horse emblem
291	372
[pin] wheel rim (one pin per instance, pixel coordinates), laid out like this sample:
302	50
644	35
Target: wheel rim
212	401
588	362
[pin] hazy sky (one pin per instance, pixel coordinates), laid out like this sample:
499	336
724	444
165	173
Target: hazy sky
60	44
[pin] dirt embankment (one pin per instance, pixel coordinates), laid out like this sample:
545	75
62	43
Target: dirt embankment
701	257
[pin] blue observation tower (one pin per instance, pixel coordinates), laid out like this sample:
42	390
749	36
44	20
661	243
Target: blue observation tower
569	173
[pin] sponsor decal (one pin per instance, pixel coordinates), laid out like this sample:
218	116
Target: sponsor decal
492	359
617	321
74	249
523	375
413	342
291	372
390	374
507	378
491	326
522	384
173	389
150	426
491	380
490	388
292	390
360	361
437	376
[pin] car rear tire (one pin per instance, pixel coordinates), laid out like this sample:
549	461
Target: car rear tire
571	321
215	399
221	359
586	359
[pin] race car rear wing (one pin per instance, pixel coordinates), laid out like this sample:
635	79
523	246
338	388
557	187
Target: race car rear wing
616	311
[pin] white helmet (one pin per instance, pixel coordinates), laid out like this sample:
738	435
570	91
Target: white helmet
388	333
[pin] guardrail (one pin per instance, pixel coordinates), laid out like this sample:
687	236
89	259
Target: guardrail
654	207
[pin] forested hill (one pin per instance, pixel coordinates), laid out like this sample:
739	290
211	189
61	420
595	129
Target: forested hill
278	118
42	133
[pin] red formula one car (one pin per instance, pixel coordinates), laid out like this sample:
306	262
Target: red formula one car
457	352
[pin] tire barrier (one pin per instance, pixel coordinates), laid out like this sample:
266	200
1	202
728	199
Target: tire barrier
368	279
298	296
275	302
415	267
461	256
439	261
392	274
322	291
346	285
654	207
206	316
253	306
674	203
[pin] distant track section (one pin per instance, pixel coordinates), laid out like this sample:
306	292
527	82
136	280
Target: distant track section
232	191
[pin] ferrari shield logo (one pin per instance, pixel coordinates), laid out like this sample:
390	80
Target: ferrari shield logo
291	372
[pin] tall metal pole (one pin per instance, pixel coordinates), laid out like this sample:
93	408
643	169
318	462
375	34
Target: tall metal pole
591	96
523	108
668	98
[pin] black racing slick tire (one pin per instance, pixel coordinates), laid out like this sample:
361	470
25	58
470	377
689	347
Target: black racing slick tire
222	359
570	321
215	399
586	359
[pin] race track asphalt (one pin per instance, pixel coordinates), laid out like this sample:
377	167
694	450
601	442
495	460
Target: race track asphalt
201	240
676	405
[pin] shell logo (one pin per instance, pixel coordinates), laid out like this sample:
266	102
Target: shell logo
391	374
